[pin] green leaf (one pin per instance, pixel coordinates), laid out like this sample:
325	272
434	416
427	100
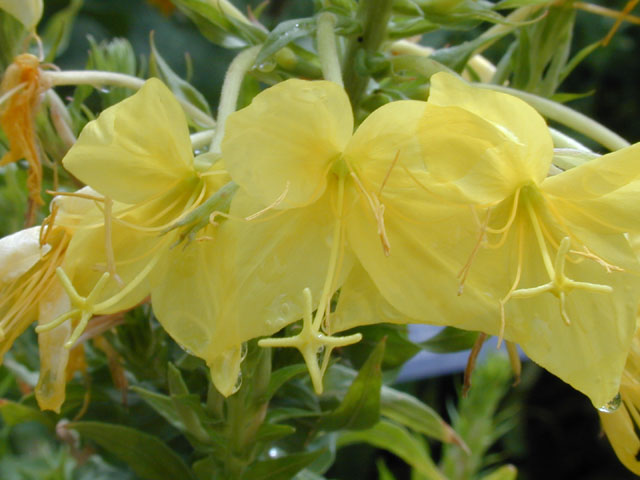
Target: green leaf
506	472
383	471
269	433
206	468
221	23
15	413
457	57
450	339
148	456
411	412
182	89
11	34
360	407
505	4
282	468
397	440
285	33
398	347
577	59
57	33
568	97
282	376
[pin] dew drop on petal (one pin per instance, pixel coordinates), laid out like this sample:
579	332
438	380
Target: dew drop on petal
612	405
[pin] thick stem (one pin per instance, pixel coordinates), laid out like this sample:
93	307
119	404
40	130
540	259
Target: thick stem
231	89
96	77
327	49
374	15
567	116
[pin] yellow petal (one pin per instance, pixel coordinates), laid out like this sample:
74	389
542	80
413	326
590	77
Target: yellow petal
361	303
286	140
28	12
520	123
50	390
471	160
429	245
19	252
602	193
621	430
137	149
270	261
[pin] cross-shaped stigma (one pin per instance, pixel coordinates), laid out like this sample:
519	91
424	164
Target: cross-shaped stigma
311	342
83	307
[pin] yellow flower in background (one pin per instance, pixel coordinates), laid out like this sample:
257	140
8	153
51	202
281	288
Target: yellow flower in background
30	291
547	255
28	12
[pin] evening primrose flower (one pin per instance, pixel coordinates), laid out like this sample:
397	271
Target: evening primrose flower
319	188
137	157
30	291
548	256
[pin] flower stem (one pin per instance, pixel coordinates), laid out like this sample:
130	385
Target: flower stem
374	15
114	79
567	116
231	90
327	49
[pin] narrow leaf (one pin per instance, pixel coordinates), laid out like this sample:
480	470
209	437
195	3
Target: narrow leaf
148	456
282	468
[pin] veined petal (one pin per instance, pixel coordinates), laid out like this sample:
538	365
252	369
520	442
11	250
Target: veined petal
19	252
50	390
388	131
429	245
602	193
284	142
136	149
520	123
361	303
590	352
470	159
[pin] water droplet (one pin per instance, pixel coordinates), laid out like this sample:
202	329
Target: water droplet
274	452
104	89
612	405
267	66
285	309
198	151
243	351
238	384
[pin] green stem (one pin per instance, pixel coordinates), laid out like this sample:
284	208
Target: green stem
231	90
567	116
327	49
374	16
114	79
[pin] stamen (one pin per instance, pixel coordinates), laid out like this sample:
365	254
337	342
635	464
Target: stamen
378	213
276	202
592	256
514	359
464	272
514	285
471	362
108	241
623	15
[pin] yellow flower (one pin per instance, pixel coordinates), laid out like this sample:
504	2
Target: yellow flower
547	256
28	12
137	156
30	291
317	187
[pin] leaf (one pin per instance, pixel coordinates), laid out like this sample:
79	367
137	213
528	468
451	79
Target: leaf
450	339
505	4
397	440
506	472
269	433
221	23
568	97
282	468
285	33
282	376
360	407
182	89
57	33
14	413
457	57
162	404
411	412
148	456
383	471
577	59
